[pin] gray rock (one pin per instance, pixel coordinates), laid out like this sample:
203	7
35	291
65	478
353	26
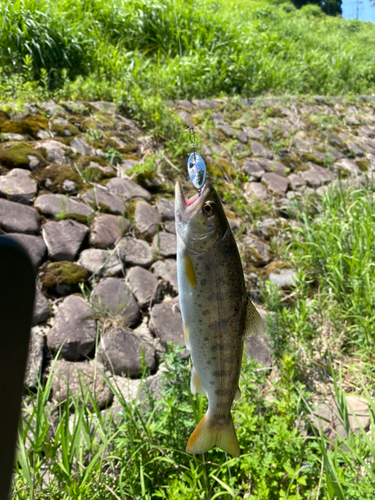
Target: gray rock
56	151
185	118
79	145
316	176
253	133
12	137
166	323
242	136
127	189
205	103
121	352
256	252
104	107
167	271
76	380
170	227
327	417
18	186
100	262
74	330
253	169
284	278
259	150
18	218
101	198
107	229
165	208
165	244
347	166
58	204
64	239
112	298
34	359
296	182
135	252
355	149
147	218
275	183
34	246
358	407
272	166
267	228
143	285
41	308
257	348
255	190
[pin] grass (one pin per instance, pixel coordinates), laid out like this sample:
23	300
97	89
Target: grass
130	51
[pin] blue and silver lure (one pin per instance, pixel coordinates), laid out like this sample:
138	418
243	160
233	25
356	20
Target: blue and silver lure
196	170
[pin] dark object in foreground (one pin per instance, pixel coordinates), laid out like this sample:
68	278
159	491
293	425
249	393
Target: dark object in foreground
17	290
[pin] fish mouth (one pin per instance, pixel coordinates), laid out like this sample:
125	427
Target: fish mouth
189	206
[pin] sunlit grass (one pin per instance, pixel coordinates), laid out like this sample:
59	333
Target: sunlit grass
118	50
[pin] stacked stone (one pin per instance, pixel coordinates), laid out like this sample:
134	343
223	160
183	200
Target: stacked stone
104	246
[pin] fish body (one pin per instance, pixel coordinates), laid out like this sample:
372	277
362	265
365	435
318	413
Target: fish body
215	310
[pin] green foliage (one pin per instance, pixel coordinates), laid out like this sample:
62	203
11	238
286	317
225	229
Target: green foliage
138	452
334	250
142	50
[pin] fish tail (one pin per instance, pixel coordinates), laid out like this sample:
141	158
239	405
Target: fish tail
206	435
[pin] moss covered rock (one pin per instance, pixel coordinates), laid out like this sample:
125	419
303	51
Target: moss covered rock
62	278
29	125
16	155
59	179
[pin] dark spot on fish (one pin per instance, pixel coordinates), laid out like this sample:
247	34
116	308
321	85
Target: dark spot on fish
220	392
208	362
205	312
214	348
200	257
203	282
219	373
205	338
212	382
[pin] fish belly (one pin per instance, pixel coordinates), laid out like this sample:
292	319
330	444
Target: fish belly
213	304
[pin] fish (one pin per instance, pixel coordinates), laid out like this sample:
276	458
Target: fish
216	313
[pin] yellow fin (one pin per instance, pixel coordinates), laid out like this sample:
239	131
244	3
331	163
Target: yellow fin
238	394
189	270
206	435
186	335
196	384
254	324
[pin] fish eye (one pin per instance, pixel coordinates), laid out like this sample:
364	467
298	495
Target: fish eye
209	208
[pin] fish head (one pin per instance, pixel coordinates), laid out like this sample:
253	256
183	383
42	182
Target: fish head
200	220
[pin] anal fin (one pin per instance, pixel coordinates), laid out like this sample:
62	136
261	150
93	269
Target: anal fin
254	324
196	384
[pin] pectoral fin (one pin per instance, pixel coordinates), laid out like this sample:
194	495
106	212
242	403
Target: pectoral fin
189	269
196	384
254	324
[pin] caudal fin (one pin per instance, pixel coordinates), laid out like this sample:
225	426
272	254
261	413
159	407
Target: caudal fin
206	435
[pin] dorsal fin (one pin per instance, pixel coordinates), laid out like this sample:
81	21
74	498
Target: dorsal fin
254	324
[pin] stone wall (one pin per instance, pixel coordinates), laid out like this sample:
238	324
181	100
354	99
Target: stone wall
102	239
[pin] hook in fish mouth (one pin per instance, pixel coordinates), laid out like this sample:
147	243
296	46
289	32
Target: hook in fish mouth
189	205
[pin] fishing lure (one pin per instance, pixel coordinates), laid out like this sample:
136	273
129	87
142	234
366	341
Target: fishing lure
196	166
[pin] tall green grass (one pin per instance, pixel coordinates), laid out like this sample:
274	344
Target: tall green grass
335	250
138	452
124	49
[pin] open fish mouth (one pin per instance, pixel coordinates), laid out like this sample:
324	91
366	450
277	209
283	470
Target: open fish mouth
189	206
